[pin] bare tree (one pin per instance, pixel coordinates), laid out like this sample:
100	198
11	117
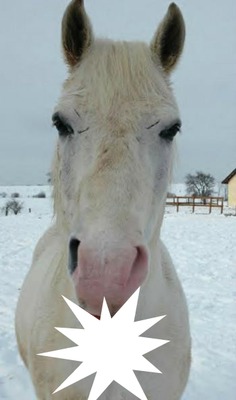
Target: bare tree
14	206
200	184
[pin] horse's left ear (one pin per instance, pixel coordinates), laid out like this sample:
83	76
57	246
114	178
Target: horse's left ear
77	33
168	41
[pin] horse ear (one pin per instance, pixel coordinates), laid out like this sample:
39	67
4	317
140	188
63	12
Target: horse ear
168	41
76	32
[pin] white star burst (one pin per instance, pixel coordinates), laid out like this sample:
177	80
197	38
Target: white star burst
110	346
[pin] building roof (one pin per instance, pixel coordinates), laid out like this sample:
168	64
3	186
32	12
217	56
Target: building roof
230	176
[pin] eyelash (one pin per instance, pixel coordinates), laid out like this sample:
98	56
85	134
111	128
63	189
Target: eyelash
85	130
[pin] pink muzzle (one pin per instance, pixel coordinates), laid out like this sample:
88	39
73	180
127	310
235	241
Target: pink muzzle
111	273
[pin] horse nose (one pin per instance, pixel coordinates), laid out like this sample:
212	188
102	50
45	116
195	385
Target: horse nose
113	273
106	264
73	254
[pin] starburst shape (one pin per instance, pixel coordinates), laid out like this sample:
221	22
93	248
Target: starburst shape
111	347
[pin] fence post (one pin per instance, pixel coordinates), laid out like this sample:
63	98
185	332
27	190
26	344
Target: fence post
193	209
222	205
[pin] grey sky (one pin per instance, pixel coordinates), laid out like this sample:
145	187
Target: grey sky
32	71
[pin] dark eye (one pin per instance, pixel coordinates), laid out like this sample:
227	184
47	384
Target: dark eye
64	129
169	134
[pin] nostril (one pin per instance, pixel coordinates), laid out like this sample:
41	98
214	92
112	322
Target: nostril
73	254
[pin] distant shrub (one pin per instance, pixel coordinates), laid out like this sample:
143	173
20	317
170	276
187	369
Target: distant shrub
40	195
15	195
13	206
3	195
171	195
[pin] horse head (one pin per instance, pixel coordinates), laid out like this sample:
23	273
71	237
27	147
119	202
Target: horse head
117	119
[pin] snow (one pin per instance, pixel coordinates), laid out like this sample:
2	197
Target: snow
203	249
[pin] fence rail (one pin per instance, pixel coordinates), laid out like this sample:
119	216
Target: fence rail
191	201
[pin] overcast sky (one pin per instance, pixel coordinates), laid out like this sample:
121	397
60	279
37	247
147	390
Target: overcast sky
32	72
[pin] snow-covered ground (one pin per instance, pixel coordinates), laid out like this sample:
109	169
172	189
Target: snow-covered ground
204	250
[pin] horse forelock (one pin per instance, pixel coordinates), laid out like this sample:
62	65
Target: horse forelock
116	76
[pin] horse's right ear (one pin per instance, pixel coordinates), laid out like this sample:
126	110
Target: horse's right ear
168	41
77	33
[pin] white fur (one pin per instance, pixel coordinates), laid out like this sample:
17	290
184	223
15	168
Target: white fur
110	184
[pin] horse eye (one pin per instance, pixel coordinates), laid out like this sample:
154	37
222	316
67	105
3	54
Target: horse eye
63	128
169	134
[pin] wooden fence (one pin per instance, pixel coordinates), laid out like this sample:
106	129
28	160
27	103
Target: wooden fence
193	202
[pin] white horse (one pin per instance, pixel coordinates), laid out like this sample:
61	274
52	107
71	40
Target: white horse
116	120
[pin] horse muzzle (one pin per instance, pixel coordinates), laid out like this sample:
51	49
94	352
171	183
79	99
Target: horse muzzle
102	271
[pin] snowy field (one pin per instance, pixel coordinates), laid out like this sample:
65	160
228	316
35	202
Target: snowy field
204	250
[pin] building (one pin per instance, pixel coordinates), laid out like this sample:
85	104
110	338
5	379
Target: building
230	181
